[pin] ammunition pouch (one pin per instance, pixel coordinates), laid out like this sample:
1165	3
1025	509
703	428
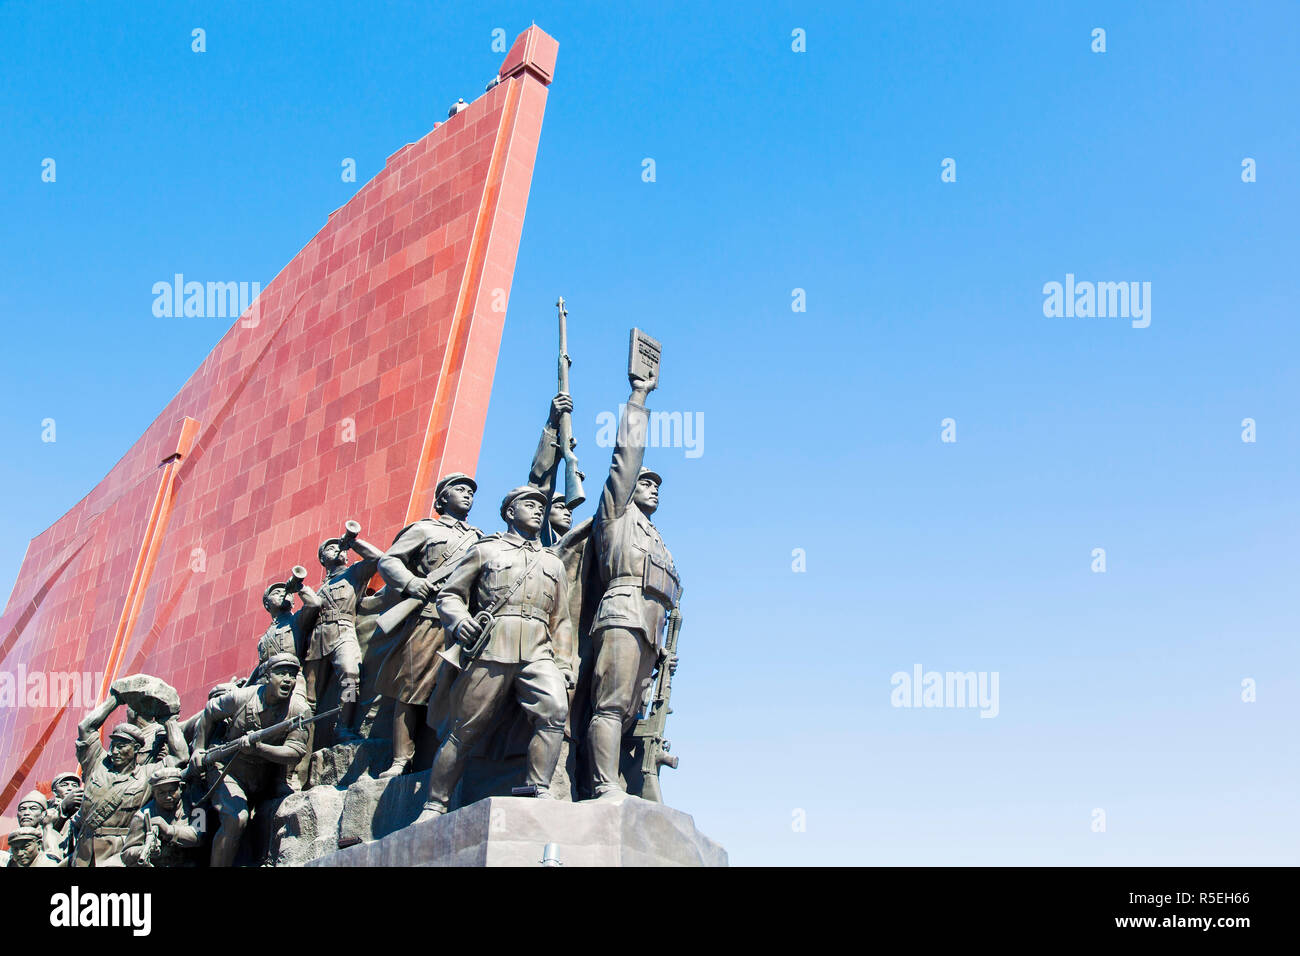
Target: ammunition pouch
660	581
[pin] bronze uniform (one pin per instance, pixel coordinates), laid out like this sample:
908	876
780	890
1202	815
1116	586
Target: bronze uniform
408	671
335	634
111	800
249	775
641	585
519	656
171	852
286	635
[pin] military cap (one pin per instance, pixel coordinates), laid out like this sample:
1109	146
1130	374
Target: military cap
320	552
455	478
161	776
130	732
651	474
66	775
23	835
266	595
281	659
523	491
35	797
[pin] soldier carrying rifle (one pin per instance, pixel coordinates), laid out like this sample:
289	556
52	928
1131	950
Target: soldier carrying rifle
250	774
415	567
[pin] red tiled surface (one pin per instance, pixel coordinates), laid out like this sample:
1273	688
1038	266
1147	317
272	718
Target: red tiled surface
385	318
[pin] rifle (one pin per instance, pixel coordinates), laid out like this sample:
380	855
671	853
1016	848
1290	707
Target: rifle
565	442
399	612
226	751
151	846
650	749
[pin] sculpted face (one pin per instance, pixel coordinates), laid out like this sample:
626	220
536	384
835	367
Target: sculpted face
457	499
278	600
331	556
66	786
646	496
526	515
560	517
168	795
24	851
121	753
28	814
280	684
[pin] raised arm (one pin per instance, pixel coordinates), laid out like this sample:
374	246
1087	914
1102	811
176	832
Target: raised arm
629	453
180	750
304	619
366	550
90	724
546	461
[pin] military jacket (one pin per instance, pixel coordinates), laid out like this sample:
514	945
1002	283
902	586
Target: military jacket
287	634
170	851
422	547
111	798
630	553
336	619
249	708
534	617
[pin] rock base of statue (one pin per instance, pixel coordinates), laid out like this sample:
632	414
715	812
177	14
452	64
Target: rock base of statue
349	817
514	831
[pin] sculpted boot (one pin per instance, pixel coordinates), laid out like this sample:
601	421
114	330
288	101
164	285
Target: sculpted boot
343	732
543	756
447	767
403	739
604	735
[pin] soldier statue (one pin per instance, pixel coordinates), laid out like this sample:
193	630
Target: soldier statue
251	773
64	801
115	786
30	811
414	568
640	587
289	630
519	587
25	849
160	831
334	638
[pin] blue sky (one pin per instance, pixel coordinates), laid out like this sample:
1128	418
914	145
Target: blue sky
775	171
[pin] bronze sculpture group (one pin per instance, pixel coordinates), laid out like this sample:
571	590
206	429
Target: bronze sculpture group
562	635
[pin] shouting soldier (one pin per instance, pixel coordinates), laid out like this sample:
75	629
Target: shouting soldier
250	773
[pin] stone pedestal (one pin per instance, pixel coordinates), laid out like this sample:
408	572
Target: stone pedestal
512	831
